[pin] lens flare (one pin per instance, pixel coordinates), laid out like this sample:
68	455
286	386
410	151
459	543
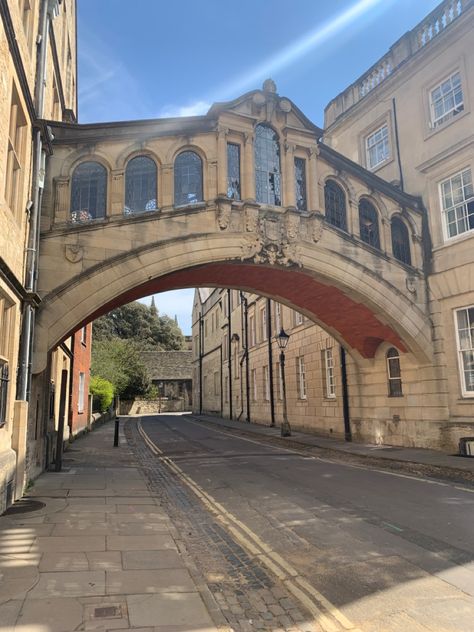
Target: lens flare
300	48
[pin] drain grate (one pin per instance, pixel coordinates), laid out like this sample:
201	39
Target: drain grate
108	612
25	505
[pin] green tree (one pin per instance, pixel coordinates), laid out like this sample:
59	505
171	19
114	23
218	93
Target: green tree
142	324
102	392
119	362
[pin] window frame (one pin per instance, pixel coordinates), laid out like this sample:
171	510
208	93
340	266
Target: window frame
266	383
80	219
182	152
367	201
301	378
386	141
253	381
81	392
263	324
393	379
332	182
464	392
396	219
329	374
234	187
454	207
128	210
449	116
278	180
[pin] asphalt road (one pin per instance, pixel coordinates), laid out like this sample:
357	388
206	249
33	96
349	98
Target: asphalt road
389	551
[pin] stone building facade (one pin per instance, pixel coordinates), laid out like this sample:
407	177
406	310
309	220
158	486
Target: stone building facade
34	35
236	363
409	120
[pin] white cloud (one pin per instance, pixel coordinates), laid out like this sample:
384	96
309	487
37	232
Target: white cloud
192	109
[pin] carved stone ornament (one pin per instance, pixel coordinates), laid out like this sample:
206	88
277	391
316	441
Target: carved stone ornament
272	228
293	226
283	253
73	253
411	284
317	222
251	219
224	212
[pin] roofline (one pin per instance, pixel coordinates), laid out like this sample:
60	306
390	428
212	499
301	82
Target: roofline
374	181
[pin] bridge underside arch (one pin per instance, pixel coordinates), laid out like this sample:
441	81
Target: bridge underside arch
357	308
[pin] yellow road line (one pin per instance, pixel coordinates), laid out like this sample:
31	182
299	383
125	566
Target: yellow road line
313	600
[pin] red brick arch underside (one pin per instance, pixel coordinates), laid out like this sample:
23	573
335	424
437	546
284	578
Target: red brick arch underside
357	325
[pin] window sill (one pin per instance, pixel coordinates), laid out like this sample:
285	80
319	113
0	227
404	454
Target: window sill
432	131
450	241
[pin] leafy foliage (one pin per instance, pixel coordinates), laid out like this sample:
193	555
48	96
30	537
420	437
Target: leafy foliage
103	393
143	324
119	362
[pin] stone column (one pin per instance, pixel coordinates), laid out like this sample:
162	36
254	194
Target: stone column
61	200
248	172
288	175
117	193
167	185
312	182
222	161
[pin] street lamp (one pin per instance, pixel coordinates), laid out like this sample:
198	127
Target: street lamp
282	340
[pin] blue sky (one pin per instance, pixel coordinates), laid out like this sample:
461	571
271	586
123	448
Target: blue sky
141	60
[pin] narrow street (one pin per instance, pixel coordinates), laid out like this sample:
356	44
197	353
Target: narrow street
267	527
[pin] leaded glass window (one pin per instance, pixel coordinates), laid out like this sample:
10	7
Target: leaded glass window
233	171
300	184
369	223
88	192
394	373
465	329
400	241
187	179
267	166
140	185
335	204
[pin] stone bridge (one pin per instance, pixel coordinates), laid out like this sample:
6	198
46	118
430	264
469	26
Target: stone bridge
244	197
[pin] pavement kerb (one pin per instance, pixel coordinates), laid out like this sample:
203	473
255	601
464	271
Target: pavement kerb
305	443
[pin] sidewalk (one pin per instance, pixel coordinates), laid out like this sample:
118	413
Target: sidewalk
409	456
101	554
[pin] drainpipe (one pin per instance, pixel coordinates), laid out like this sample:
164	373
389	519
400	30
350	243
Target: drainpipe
229	351
245	356
345	397
397	143
200	362
28	317
270	362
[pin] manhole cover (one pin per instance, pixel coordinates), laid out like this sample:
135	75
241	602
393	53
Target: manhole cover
24	505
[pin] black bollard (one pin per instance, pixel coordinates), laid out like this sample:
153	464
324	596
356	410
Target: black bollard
116	432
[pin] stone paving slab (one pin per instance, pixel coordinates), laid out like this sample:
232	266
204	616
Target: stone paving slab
101	540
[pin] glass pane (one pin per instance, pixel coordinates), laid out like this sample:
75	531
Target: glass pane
335	203
187	179
369	223
233	171
300	184
88	192
140	185
267	166
400	241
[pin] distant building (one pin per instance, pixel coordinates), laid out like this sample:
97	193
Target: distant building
171	372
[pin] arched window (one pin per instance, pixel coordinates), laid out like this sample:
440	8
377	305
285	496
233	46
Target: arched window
267	166
400	241
335	205
393	373
187	178
369	223
140	185
88	192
